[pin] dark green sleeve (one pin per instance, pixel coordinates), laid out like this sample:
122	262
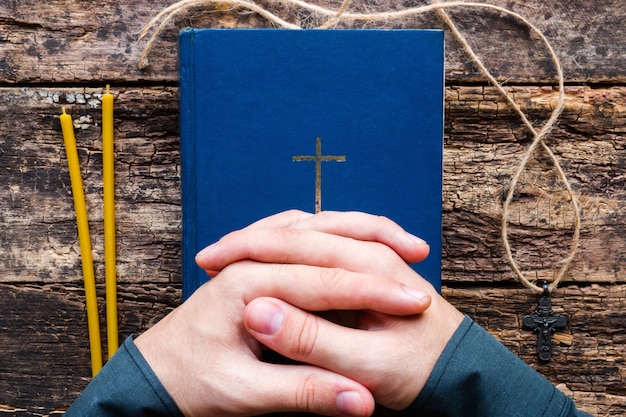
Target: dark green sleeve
126	386
476	376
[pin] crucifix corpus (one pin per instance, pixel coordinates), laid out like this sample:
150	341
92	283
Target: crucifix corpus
318	158
544	322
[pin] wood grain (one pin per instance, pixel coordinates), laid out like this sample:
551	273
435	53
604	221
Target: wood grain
91	40
66	52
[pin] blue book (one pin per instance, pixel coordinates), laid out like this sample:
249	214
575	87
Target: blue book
275	119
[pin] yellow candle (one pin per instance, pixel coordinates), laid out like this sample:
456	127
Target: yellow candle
85	243
108	169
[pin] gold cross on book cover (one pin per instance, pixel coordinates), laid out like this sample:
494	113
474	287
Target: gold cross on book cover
318	158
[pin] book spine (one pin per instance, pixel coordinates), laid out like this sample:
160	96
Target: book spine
187	160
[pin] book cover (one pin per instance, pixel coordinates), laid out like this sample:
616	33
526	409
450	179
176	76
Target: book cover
275	119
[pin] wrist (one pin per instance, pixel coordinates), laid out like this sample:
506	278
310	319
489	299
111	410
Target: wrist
161	354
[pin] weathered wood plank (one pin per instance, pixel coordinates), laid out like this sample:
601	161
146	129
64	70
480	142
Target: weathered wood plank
36	194
484	144
71	42
483	149
44	363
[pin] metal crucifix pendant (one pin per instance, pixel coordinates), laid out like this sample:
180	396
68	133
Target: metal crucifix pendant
544	322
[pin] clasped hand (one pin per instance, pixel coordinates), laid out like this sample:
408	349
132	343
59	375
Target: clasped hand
272	282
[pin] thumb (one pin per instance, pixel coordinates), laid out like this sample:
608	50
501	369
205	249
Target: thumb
304	388
312	388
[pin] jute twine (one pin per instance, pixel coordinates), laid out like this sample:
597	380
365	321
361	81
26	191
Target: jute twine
159	22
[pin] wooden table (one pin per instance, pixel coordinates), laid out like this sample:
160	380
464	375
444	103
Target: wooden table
57	53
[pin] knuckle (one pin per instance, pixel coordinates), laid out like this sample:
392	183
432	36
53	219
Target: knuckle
332	278
297	215
325	215
285	272
338	286
306	394
304	339
289	235
384	219
386	222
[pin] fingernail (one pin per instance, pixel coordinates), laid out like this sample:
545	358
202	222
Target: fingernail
206	251
265	317
416	239
350	403
420	295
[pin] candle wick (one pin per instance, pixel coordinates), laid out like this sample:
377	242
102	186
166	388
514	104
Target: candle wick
63	110
107	88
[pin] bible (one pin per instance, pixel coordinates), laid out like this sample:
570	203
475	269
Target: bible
275	119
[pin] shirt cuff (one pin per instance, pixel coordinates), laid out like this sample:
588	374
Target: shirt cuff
477	376
126	386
